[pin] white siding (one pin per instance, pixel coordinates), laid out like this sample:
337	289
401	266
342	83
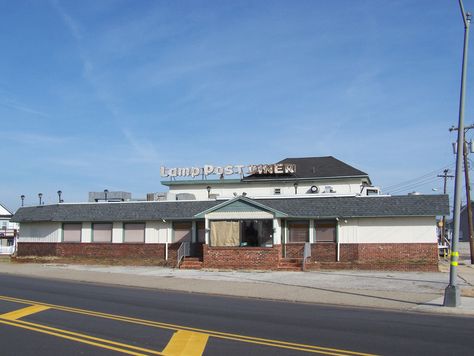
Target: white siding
164	232
258	189
117	233
86	232
40	232
152	232
157	232
388	230
227	215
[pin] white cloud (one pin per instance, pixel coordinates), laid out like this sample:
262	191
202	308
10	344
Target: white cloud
72	25
13	104
143	149
32	138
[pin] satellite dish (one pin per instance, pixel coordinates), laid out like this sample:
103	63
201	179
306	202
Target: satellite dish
314	189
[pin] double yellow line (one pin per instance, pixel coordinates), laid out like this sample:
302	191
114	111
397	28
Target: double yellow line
12	319
177	345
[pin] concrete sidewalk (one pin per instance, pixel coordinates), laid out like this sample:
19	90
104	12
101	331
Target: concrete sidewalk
407	291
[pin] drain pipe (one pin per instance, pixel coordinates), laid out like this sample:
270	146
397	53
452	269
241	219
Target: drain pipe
166	241
338	245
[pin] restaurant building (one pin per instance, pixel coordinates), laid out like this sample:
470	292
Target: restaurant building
300	213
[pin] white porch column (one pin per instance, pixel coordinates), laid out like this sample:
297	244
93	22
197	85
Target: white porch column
312	234
277	231
207	229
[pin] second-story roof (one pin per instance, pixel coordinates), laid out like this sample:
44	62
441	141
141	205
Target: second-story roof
313	168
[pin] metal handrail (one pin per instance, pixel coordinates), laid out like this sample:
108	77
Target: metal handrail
183	250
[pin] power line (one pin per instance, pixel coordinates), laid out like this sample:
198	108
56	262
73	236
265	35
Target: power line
414	180
414	185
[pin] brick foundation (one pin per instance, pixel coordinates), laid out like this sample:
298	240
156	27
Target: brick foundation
320	252
385	256
264	258
389	256
99	250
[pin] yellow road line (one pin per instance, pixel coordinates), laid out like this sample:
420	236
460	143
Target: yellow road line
216	334
186	343
82	338
20	313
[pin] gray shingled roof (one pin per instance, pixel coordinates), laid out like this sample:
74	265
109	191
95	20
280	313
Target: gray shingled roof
374	206
121	211
382	206
313	167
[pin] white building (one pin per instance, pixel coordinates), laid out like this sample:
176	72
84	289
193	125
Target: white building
8	229
318	212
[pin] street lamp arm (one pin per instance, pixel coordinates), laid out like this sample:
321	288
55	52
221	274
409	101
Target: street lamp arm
466	17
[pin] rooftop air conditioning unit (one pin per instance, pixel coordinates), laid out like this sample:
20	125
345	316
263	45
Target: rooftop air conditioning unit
329	189
369	190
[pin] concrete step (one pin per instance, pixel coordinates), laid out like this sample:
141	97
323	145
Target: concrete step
190	266
291	260
286	265
290	264
191	263
289	269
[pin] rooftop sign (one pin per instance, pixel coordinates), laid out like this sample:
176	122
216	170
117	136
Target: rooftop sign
258	169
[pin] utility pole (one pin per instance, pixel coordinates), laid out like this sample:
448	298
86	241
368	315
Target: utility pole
452	294
468	190
445	176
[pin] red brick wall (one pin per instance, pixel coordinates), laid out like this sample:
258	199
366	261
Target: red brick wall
36	249
384	256
241	257
98	250
390	256
426	252
322	252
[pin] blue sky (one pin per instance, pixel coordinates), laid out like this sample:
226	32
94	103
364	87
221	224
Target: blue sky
100	94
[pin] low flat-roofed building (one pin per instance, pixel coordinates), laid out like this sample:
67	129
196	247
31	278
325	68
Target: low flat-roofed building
325	215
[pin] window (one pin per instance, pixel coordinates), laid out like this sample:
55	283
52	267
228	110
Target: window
225	233
244	233
326	232
256	233
134	232
182	231
298	231
102	232
72	232
372	192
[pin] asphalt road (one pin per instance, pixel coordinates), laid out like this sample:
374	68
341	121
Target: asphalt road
47	317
